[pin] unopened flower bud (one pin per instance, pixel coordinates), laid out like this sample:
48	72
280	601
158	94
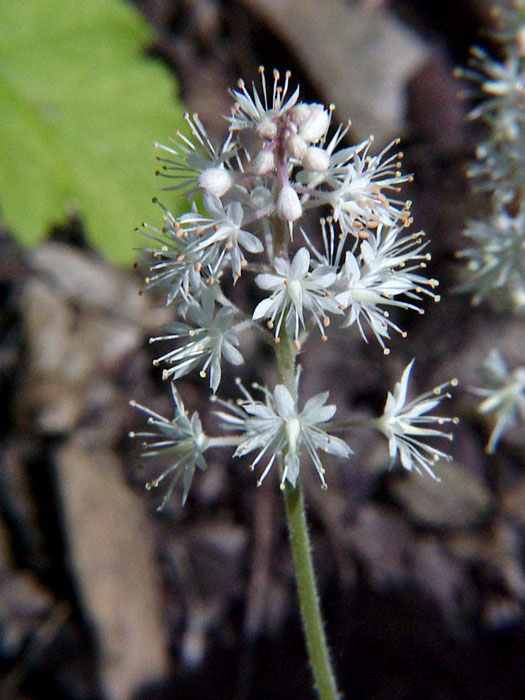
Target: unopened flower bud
264	162
316	126
300	113
316	160
296	146
216	181
288	205
266	128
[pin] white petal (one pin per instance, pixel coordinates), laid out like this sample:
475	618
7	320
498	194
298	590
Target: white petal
336	446
284	402
300	264
263	309
267	281
400	390
232	354
250	242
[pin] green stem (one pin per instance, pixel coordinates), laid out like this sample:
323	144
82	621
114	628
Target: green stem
309	603
308	597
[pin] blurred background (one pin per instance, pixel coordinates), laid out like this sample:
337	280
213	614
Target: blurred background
101	597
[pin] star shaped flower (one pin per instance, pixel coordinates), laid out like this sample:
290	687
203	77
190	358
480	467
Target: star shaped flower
182	441
406	425
209	338
296	290
277	427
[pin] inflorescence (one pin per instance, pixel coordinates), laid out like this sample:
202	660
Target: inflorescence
247	216
496	254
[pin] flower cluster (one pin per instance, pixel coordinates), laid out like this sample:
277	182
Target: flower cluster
496	261
496	256
282	159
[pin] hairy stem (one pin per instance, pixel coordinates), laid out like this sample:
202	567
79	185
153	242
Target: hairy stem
317	647
309	603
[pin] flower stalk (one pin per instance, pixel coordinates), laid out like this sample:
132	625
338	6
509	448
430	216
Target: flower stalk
309	603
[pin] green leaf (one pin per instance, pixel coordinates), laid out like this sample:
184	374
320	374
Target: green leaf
81	105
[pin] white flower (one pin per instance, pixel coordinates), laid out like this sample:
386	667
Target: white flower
252	112
496	264
187	161
295	290
504	394
208	339
354	185
405	425
181	441
277	427
178	258
388	266
503	81
221	232
264	162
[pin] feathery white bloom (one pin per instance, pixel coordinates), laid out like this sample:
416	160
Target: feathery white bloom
178	260
277	427
181	441
296	290
388	266
252	112
496	264
354	185
405	425
222	232
188	159
209	339
504	396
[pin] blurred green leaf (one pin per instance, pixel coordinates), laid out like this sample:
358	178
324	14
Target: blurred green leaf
80	106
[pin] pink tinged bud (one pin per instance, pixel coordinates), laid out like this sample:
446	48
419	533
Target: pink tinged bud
264	162
316	160
296	146
300	113
288	205
316	126
216	181
266	128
